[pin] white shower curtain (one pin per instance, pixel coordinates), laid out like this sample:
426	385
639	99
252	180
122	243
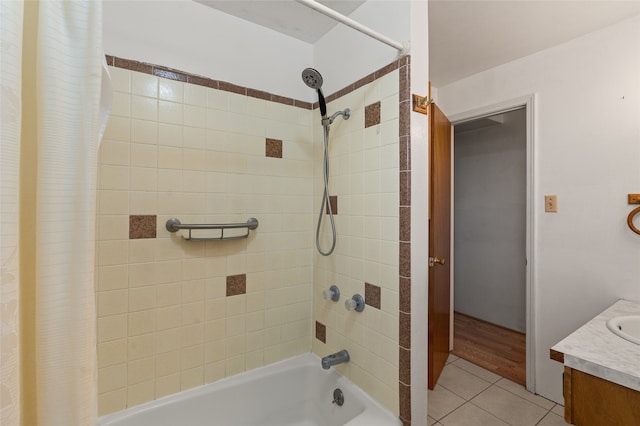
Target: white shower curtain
51	75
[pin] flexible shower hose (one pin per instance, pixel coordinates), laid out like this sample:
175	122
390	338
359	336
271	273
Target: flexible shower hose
325	199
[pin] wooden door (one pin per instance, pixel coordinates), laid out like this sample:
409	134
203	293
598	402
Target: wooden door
439	242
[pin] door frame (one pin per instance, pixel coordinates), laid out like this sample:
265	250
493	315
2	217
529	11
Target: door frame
528	103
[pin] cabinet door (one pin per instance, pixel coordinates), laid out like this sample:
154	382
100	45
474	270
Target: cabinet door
592	401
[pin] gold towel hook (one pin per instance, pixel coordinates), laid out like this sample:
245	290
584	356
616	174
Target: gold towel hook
630	220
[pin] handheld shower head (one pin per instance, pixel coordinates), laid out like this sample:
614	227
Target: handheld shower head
313	79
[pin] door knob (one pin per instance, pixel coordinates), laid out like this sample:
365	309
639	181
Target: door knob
434	260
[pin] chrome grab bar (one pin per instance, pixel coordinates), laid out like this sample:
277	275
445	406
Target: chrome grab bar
174	225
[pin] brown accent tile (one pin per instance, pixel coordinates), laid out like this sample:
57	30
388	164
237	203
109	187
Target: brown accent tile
321	332
169	74
282	100
405	84
132	65
405	260
404	366
405	223
372	295
405	330
273	148
304	105
405	188
386	69
364	81
236	284
405	118
142	226
405	153
254	93
405	422
340	93
405	295
372	114
333	201
230	87
405	403
202	81
109	59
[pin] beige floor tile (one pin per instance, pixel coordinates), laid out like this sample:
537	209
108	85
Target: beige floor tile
452	358
523	393
461	382
478	371
431	421
508	407
441	402
471	415
552	419
559	410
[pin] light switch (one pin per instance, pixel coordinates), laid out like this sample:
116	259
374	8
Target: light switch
551	203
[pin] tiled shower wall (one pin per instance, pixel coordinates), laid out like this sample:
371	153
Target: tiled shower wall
174	314
365	180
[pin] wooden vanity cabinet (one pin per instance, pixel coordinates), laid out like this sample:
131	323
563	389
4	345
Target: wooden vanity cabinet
592	401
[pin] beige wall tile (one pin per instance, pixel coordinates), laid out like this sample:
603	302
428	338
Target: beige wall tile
140	392
141	370
112	353
144	85
118	128
114	153
144	108
167	385
120	79
170	90
110	402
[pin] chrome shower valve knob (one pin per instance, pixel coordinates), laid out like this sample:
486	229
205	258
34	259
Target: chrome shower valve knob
356	303
333	293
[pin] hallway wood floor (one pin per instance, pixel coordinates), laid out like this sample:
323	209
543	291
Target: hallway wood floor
490	346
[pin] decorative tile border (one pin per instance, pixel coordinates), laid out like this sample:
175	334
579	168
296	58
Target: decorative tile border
236	284
185	77
142	226
404	269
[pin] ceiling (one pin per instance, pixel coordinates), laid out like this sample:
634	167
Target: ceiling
286	16
465	36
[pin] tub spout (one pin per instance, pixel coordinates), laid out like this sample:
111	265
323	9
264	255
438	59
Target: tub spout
335	359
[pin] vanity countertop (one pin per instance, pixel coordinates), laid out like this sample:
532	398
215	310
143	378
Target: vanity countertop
595	350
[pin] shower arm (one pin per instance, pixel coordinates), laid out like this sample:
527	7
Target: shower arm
327	11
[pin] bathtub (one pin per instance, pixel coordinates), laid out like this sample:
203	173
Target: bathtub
293	392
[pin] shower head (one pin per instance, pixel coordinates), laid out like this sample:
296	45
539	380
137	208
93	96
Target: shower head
313	79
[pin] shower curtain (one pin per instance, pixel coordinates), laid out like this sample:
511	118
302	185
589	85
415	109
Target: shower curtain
51	75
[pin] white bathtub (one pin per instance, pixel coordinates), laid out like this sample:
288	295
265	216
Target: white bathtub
293	392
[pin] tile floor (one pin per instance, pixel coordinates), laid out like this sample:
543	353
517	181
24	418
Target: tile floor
468	395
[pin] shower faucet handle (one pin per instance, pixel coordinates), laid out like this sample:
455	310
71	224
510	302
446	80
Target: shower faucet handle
356	303
333	293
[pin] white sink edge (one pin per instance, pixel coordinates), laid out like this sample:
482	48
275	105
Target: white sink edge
614	326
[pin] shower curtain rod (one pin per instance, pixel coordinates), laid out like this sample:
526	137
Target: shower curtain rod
327	11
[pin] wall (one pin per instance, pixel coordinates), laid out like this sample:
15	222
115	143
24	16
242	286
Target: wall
345	55
222	47
150	31
489	217
586	151
173	314
364	178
